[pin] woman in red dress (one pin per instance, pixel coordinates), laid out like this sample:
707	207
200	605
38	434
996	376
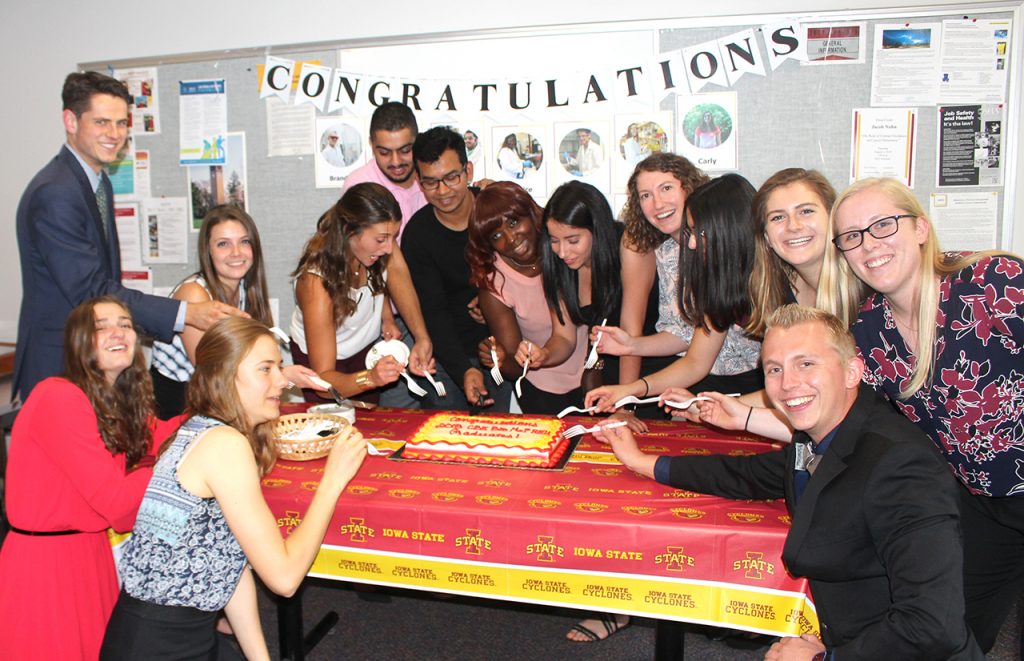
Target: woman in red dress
74	471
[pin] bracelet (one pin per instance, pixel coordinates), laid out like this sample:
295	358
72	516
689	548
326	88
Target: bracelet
747	423
363	380
647	387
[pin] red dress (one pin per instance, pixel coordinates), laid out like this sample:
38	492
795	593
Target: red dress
57	593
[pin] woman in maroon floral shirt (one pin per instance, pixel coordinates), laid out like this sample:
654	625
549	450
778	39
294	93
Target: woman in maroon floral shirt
942	336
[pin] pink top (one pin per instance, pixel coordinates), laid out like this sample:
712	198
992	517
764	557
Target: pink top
410	199
525	296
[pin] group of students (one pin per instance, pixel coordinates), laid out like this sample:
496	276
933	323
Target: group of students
676	299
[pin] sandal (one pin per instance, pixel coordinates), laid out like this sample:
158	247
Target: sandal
607	621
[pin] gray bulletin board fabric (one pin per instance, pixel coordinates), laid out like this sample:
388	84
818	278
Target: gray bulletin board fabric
796	116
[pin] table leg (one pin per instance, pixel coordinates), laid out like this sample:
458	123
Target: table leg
669	640
293	644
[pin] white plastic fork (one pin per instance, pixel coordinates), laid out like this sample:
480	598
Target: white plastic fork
526	366
414	387
592	358
580	430
686	403
569	409
630	399
496	370
281	336
438	386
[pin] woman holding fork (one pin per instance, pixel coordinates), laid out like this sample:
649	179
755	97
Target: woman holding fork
504	257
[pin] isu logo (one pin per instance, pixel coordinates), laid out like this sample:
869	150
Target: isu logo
562	488
674	559
494	484
695	451
688	513
275	482
569	470
785	518
606	472
659	449
681	493
754	565
745	517
545	549
591	507
386	476
286	467
543	503
289	521
404	494
361	490
491	500
639	510
356	530
741	453
446	496
474	543
310	485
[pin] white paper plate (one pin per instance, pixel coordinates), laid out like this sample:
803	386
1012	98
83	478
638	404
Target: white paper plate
346	412
395	348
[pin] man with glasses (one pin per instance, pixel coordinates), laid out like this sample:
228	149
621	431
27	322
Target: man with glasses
435	245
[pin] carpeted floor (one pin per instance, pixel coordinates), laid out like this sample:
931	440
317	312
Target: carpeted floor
414	626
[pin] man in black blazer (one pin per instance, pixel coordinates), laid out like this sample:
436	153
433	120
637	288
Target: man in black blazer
67	240
875	521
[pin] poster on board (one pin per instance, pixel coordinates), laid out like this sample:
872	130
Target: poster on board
520	157
708	124
339	144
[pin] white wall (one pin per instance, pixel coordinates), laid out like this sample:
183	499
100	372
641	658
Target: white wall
43	41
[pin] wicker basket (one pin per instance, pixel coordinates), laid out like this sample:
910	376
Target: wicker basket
305	450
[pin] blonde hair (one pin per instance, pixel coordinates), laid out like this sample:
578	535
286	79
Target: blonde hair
842	293
792	314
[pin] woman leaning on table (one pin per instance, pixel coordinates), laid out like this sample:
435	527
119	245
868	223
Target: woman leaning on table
204	527
344	280
78	465
942	336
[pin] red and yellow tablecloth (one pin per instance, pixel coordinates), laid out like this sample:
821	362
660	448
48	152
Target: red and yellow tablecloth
594	535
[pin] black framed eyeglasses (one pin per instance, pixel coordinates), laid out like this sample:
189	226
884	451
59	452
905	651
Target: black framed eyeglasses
450	180
879	229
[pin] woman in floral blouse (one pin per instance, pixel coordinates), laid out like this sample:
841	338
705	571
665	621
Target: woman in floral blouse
942	336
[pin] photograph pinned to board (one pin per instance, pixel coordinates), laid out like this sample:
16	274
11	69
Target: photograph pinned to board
835	43
476	143
708	124
210	185
636	137
583	153
340	146
970	145
519	157
145	109
884	144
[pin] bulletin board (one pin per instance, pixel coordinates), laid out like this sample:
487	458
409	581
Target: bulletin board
796	114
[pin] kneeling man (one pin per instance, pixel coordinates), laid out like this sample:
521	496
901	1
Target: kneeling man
875	522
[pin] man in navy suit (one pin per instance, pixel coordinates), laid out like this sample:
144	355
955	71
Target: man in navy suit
876	528
68	242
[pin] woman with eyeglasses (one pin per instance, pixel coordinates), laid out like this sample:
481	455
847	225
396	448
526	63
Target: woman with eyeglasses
942	336
717	251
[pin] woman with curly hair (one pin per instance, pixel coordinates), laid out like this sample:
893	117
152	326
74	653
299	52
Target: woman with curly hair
342	284
77	466
204	527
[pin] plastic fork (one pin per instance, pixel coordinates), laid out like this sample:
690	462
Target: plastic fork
496	370
569	409
438	386
580	430
414	387
526	366
630	399
686	403
592	358
281	336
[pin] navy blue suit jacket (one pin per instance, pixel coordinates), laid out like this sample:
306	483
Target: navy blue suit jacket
65	260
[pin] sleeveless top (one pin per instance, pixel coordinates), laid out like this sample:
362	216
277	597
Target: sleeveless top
356	332
182	552
171	360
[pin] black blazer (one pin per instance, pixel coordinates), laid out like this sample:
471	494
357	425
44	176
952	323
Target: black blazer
876	533
65	260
